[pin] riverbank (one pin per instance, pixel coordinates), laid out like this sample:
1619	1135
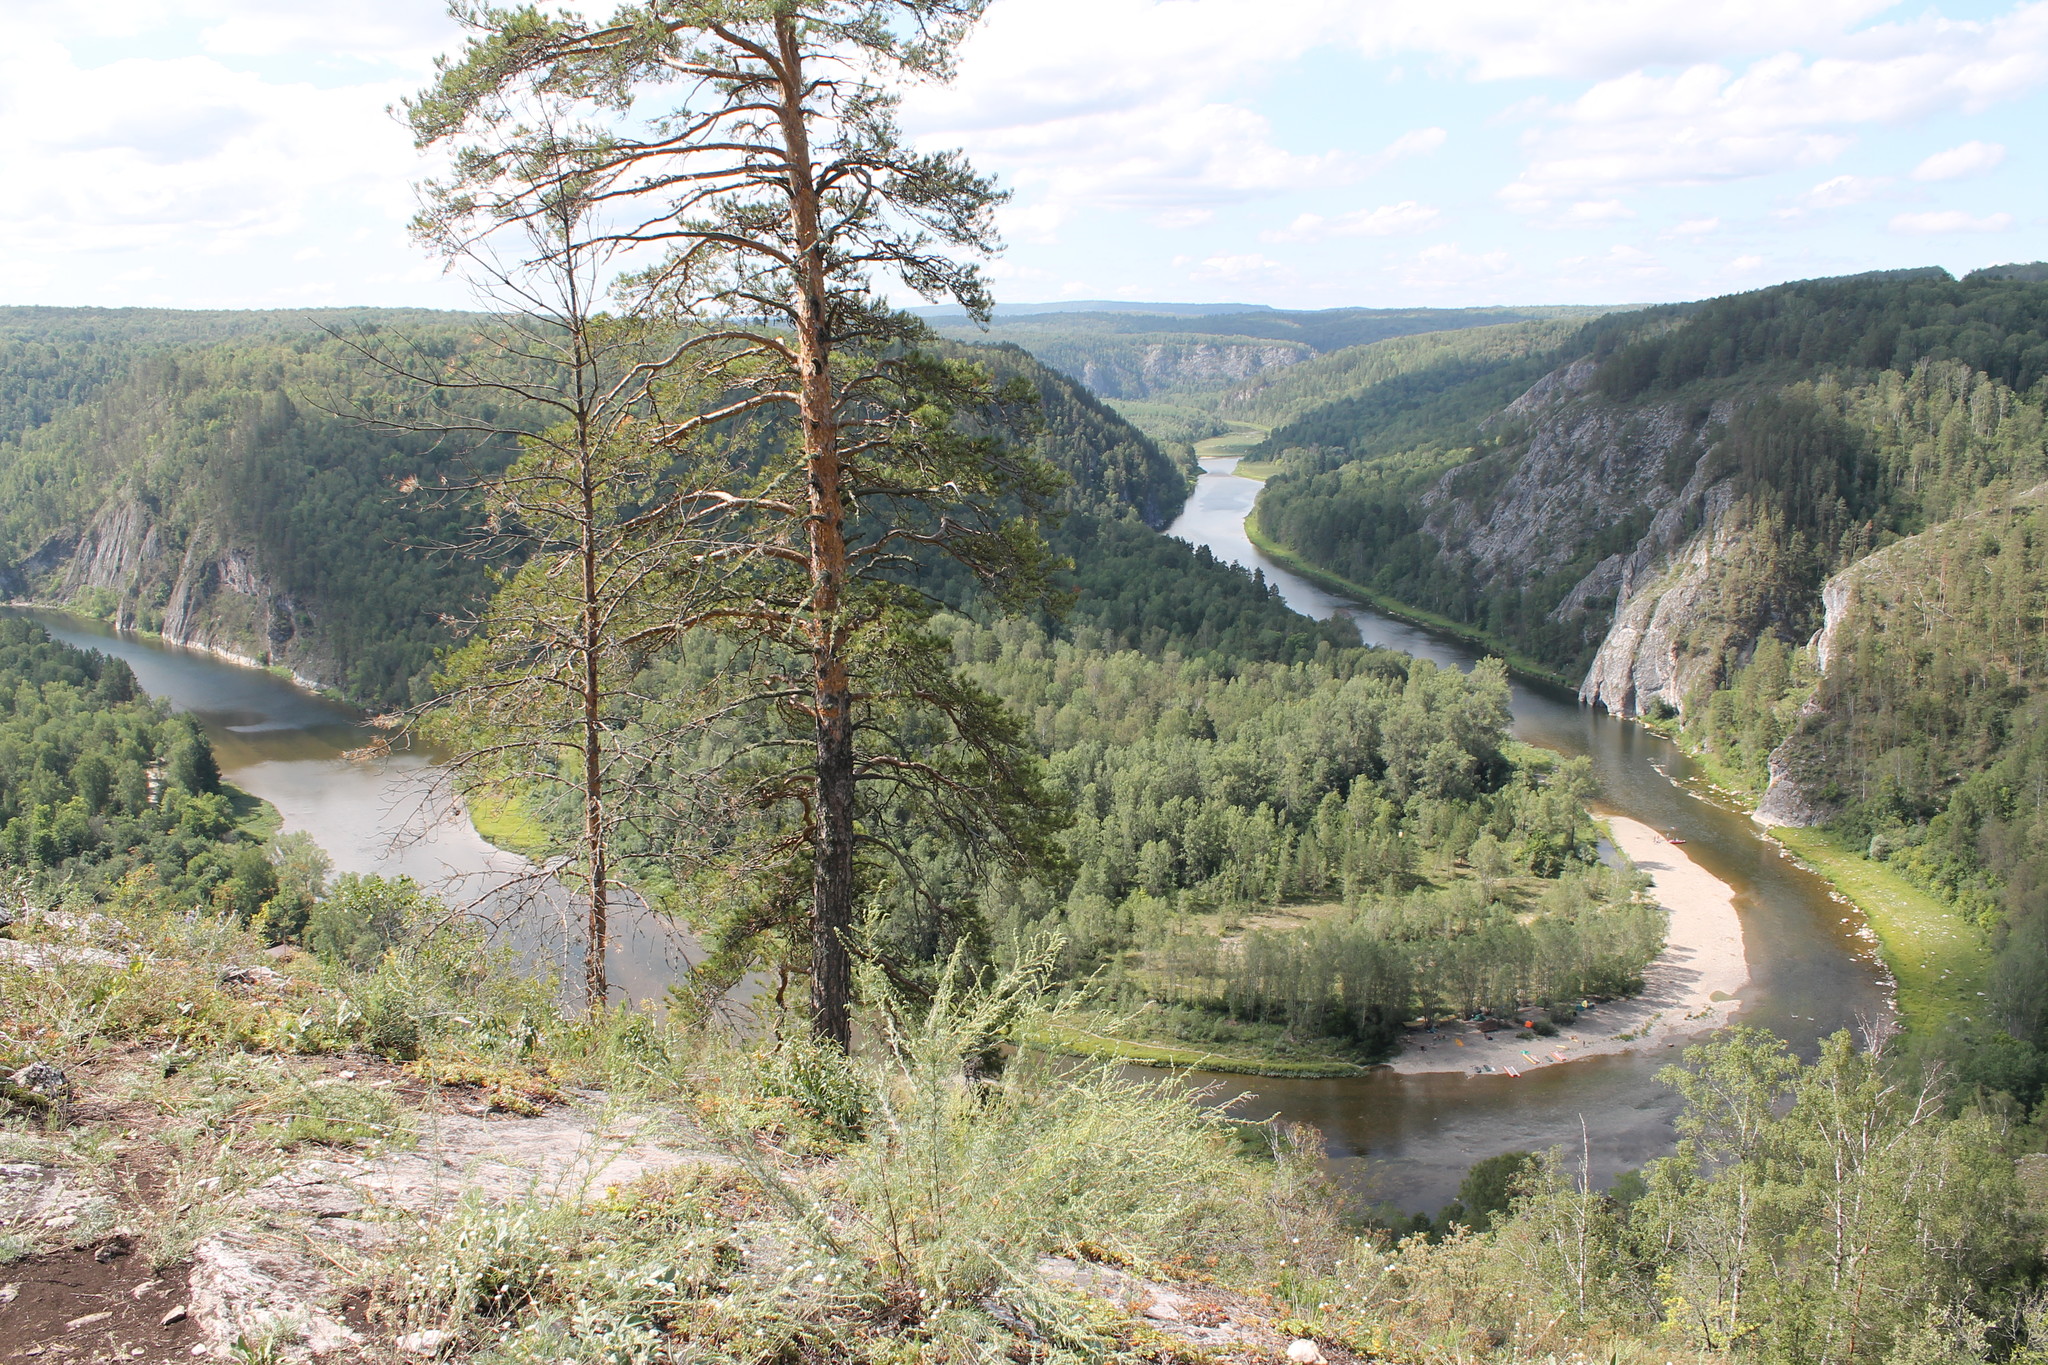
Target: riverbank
1939	961
1516	661
1076	1040
290	675
1691	988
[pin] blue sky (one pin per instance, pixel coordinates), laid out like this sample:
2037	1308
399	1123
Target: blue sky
1302	153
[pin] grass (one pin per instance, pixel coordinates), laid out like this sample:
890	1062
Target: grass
1257	470
504	822
1516	661
1940	960
1078	1042
1230	443
255	818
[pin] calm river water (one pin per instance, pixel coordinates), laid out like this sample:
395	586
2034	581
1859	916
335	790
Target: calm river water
382	815
1410	1139
1404	1139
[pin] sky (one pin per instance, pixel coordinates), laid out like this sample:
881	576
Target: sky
1298	153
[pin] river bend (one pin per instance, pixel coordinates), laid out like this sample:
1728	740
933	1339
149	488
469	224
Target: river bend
1406	1140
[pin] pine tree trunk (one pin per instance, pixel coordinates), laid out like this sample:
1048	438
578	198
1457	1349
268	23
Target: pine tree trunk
832	881
832	865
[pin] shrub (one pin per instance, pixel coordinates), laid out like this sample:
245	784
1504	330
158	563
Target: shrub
362	917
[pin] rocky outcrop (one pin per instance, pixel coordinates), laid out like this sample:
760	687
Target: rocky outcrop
180	584
1788	801
1584	465
222	602
122	546
1580	467
1146	368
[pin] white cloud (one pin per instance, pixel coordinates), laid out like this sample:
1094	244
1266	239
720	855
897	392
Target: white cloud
1448	268
1842	190
1419	142
1250	267
1388	220
1513	40
1696	227
165	163
1745	265
404	32
1180	153
1597	211
1972	158
1707	123
1948	220
1150	114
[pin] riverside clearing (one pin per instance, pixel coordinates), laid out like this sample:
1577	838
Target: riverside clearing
1689	989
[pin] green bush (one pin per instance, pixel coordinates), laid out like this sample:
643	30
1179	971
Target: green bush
363	917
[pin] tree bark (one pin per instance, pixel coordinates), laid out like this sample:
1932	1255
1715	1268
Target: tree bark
832	867
597	931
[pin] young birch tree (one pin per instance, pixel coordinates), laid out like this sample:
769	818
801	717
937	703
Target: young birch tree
752	145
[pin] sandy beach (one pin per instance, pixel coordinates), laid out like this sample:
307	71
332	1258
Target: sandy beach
1691	988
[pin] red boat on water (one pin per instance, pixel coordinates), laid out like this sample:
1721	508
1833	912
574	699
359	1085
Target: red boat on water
1673	839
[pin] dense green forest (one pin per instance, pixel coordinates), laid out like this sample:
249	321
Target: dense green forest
234	478
1834	468
1880	436
1381	397
1363	782
100	785
1218	757
1269	838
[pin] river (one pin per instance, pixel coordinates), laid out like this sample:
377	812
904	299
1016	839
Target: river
385	816
1406	1140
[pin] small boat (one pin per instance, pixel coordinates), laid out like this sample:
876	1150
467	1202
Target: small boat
1673	839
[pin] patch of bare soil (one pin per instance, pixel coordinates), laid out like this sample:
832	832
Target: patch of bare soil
75	1307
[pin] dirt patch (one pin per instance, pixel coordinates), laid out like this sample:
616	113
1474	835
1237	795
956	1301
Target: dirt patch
74	1307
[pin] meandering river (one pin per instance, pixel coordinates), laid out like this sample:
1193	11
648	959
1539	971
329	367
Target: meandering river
1403	1139
1410	1139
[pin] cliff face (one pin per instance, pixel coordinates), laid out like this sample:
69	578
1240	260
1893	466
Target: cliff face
1582	471
1649	657
1668	605
1142	369
1585	464
180	583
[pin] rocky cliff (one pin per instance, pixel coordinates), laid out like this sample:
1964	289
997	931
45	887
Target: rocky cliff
1621	524
144	573
1135	368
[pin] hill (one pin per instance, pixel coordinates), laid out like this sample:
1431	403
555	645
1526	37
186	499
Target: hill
1125	354
1800	525
203	476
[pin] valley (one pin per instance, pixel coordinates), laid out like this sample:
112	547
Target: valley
1333	846
623	765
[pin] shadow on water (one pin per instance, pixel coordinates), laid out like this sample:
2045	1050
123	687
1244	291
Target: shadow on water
385	816
1410	1139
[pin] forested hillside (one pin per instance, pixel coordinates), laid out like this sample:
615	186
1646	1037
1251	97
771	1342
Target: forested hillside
1134	356
1799	523
100	788
211	477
